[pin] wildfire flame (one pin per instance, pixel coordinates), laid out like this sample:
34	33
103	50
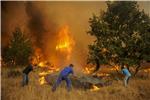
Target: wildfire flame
42	64
102	74
42	80
115	68
147	70
45	68
44	73
88	69
64	46
65	42
94	88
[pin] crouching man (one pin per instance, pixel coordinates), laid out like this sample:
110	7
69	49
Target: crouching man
127	75
64	76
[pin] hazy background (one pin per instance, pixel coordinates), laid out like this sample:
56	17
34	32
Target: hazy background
41	21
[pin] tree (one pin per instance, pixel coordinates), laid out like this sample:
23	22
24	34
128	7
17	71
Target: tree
19	49
122	35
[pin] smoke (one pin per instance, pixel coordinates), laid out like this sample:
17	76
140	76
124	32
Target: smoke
42	29
12	16
36	23
42	22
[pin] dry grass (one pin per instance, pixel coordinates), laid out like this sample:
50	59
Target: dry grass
138	89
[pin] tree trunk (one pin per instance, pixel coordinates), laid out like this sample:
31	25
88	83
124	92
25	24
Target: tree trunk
139	65
137	69
97	65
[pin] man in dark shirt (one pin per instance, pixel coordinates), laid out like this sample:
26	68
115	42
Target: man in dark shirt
26	71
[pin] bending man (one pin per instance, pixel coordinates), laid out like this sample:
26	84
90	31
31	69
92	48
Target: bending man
64	76
127	74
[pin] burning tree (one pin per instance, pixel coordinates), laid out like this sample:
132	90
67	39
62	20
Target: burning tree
122	35
19	49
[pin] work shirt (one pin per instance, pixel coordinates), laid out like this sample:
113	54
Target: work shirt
28	69
66	71
126	72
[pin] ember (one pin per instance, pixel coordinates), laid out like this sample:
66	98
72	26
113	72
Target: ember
147	70
42	80
44	73
102	74
88	69
94	88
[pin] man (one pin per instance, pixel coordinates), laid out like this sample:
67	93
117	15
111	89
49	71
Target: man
127	74
26	71
64	76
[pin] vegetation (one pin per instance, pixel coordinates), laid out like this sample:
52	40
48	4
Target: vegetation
122	35
19	49
35	91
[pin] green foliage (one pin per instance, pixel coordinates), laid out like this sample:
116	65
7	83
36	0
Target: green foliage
122	35
18	50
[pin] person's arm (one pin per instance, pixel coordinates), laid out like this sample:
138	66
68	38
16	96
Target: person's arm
34	68
72	72
75	76
122	71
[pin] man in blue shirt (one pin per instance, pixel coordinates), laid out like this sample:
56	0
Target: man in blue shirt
64	76
127	74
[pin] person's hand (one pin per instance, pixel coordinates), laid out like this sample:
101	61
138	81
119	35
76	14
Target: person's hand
35	67
75	76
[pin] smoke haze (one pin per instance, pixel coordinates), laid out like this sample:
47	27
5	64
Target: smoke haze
41	21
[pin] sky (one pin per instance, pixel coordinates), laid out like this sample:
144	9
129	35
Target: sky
50	16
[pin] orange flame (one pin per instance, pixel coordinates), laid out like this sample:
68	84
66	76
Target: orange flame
94	88
45	67
44	73
147	70
37	57
42	80
41	64
65	42
64	46
88	69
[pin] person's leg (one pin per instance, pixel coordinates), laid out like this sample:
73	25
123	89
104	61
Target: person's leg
68	82
125	81
27	79
128	79
56	84
24	79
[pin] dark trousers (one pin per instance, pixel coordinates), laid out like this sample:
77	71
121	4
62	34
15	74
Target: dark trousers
59	79
25	79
